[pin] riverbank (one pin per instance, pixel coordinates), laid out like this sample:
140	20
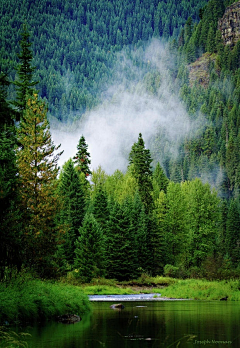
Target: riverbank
169	288
35	300
32	300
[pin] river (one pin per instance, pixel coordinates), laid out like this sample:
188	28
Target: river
146	324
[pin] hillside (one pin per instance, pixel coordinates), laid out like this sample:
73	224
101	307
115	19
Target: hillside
74	44
210	86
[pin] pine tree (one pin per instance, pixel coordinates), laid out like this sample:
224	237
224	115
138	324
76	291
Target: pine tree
82	157
140	162
90	260
25	71
37	167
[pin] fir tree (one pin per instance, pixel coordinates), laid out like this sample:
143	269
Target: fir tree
37	167
90	260
160	181
25	71
120	253
100	208
140	161
82	157
72	211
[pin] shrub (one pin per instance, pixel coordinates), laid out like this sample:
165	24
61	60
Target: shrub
171	271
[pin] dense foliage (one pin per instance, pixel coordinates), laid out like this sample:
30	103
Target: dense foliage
161	220
74	43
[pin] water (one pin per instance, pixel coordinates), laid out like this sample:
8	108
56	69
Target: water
146	324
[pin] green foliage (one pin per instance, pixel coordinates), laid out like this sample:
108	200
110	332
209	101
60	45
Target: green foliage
9	338
171	271
39	300
140	159
82	158
24	72
232	232
90	258
10	215
71	214
203	290
121	262
6	112
100	208
75	56
37	173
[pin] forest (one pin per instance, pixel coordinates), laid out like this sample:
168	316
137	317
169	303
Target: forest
177	217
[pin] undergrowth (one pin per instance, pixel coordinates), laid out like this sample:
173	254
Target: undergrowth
39	300
199	289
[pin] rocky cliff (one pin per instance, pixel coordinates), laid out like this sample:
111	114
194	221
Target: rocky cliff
229	24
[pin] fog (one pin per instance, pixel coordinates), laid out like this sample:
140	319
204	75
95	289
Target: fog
130	105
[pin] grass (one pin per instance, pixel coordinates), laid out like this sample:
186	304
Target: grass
199	289
9	338
40	300
143	284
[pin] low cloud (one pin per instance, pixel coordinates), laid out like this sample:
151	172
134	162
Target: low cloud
130	107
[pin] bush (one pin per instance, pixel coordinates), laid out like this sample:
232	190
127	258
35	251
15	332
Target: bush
171	271
39	300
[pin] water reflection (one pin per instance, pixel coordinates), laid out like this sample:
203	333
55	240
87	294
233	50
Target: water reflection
148	324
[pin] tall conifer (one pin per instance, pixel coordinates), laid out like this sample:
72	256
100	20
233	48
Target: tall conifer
140	159
24	81
38	170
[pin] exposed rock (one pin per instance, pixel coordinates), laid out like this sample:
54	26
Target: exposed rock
68	318
117	306
199	70
229	24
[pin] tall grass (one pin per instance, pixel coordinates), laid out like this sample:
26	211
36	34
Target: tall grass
203	290
39	300
9	338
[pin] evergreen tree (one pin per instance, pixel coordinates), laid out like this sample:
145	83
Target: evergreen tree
160	181
233	232
140	161
37	167
90	260
25	71
100	208
120	252
72	211
175	234
10	215
6	112
82	157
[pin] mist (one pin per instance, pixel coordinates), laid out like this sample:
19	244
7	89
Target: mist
130	105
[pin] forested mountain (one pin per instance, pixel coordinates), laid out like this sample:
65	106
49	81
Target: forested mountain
74	43
180	217
209	77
